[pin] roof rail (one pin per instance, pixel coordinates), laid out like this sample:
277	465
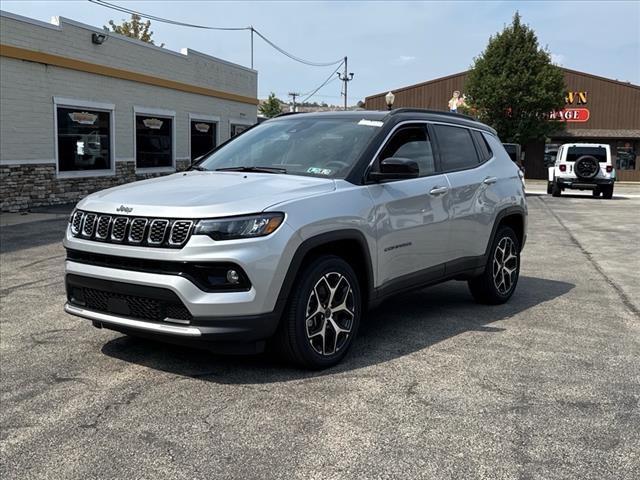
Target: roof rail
284	114
437	112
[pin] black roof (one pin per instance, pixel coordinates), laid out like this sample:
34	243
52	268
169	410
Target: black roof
400	113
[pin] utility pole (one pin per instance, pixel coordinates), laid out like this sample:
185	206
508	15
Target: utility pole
251	28
345	78
294	95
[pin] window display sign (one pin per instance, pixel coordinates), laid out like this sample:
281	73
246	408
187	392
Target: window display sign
83	118
152	123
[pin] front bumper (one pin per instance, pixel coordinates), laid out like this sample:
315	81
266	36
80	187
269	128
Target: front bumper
159	313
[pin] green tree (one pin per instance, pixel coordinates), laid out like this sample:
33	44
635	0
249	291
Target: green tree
271	106
135	28
513	86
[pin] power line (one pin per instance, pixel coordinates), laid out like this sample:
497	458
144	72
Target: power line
329	79
119	8
293	57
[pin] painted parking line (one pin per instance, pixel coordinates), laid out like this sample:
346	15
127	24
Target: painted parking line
544	192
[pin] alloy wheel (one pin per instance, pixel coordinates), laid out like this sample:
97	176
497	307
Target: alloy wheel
505	265
330	314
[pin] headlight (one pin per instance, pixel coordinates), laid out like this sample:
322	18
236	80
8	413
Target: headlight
240	227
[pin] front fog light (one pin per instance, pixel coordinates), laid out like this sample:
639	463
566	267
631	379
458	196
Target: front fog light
233	277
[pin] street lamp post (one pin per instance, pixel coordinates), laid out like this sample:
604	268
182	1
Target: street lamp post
389	98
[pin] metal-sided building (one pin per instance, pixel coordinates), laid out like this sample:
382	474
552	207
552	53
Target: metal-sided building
598	110
82	109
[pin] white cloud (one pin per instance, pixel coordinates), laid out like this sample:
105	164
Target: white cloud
404	59
557	58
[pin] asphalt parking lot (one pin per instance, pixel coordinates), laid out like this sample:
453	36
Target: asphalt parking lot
437	387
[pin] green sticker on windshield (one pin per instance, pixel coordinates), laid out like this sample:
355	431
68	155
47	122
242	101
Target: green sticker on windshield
319	171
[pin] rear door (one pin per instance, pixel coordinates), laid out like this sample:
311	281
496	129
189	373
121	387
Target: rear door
467	161
411	214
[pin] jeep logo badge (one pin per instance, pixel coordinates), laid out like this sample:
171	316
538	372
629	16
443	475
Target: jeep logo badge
122	208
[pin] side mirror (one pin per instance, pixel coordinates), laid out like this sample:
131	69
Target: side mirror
396	168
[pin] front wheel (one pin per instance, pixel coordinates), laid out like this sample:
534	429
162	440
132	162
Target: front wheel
498	281
322	316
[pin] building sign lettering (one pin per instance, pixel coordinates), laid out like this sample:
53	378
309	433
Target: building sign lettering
579	98
570	113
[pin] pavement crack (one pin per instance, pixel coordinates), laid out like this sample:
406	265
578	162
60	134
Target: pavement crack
626	301
28	285
54	257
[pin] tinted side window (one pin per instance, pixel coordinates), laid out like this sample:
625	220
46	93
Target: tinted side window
412	143
483	147
456	148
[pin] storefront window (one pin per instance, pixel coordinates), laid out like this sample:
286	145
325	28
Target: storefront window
154	141
625	156
84	139
203	137
237	129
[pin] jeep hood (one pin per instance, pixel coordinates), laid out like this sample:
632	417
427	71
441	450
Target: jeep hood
204	194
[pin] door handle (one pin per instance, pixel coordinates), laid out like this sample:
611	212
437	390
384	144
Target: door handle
490	180
438	191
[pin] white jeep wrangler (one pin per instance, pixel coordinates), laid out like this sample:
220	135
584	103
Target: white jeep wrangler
582	166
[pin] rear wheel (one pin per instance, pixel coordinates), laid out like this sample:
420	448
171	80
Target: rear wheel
607	192
498	281
556	191
595	192
323	314
549	187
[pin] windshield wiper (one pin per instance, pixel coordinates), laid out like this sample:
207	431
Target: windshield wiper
252	169
199	168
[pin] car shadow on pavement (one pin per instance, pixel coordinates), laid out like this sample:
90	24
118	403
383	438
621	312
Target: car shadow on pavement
403	325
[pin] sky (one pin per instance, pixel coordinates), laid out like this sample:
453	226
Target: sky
388	44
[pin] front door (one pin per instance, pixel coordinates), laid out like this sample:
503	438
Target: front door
411	215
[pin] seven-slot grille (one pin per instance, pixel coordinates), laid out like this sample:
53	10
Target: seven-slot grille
155	232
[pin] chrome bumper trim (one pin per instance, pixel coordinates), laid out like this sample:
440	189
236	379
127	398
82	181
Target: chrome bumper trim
131	323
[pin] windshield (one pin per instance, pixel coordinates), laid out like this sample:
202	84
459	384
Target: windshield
321	147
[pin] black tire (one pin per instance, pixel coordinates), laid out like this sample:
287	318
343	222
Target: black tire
556	191
595	192
549	187
488	288
607	192
293	338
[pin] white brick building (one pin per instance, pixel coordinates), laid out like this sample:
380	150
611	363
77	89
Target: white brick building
77	116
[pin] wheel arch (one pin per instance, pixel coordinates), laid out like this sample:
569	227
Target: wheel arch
513	217
349	244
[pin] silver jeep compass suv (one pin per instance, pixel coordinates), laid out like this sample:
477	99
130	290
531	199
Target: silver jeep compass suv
291	231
